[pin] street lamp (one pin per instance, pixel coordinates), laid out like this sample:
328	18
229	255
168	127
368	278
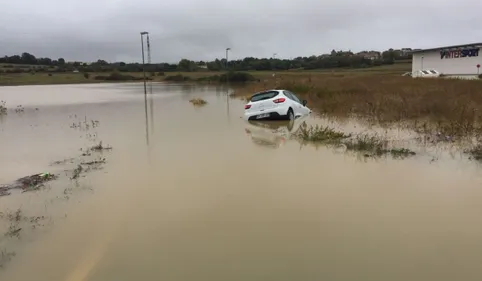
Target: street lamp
143	60
422	63
227	49
274	57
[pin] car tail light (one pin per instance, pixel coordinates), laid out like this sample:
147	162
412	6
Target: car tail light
248	106
279	100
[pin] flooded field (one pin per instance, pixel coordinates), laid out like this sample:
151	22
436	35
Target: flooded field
195	193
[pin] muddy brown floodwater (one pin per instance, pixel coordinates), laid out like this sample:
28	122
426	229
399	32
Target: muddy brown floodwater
191	195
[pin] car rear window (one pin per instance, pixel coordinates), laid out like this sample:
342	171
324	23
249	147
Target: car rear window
425	72
433	71
264	96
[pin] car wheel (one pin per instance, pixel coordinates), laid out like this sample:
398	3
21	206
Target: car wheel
290	115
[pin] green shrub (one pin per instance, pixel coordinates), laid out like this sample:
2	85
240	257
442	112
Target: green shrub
115	76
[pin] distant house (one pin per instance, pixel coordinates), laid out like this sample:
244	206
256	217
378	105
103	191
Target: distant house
370	55
203	66
405	51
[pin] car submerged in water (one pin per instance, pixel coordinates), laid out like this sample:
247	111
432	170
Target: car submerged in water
275	105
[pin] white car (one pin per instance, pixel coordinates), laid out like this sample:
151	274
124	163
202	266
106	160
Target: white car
275	104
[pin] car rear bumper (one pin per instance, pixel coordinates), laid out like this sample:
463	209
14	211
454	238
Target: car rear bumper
272	114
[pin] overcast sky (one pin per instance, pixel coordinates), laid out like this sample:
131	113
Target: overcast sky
88	30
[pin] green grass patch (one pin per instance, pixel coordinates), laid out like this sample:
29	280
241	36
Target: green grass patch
370	146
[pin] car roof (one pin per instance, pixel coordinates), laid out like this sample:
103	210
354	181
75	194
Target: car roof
269	90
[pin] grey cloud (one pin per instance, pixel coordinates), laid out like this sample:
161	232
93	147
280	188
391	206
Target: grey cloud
201	30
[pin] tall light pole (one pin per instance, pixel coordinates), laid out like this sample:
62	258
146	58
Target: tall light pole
274	57
143	60
227	50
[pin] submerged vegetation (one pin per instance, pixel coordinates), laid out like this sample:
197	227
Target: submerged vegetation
234	77
320	134
3	108
370	146
116	76
5	257
475	152
177	78
198	101
230	77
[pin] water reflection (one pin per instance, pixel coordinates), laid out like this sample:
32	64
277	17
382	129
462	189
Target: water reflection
147	121
272	134
151	102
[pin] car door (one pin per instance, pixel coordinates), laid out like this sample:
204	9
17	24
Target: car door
303	110
295	104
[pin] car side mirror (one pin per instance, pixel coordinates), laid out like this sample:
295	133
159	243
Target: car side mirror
305	102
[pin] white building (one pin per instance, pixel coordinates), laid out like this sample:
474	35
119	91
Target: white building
453	61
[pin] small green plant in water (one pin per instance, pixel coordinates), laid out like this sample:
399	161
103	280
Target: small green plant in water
5	257
3	108
370	145
367	144
475	152
320	134
198	101
401	152
374	146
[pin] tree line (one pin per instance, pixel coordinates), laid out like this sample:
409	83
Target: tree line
336	59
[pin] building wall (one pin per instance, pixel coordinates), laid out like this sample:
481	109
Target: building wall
450	64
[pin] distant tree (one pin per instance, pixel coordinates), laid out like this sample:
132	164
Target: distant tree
186	65
340	58
44	61
28	58
101	62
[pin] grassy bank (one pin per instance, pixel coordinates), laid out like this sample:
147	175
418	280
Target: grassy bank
17	79
30	77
